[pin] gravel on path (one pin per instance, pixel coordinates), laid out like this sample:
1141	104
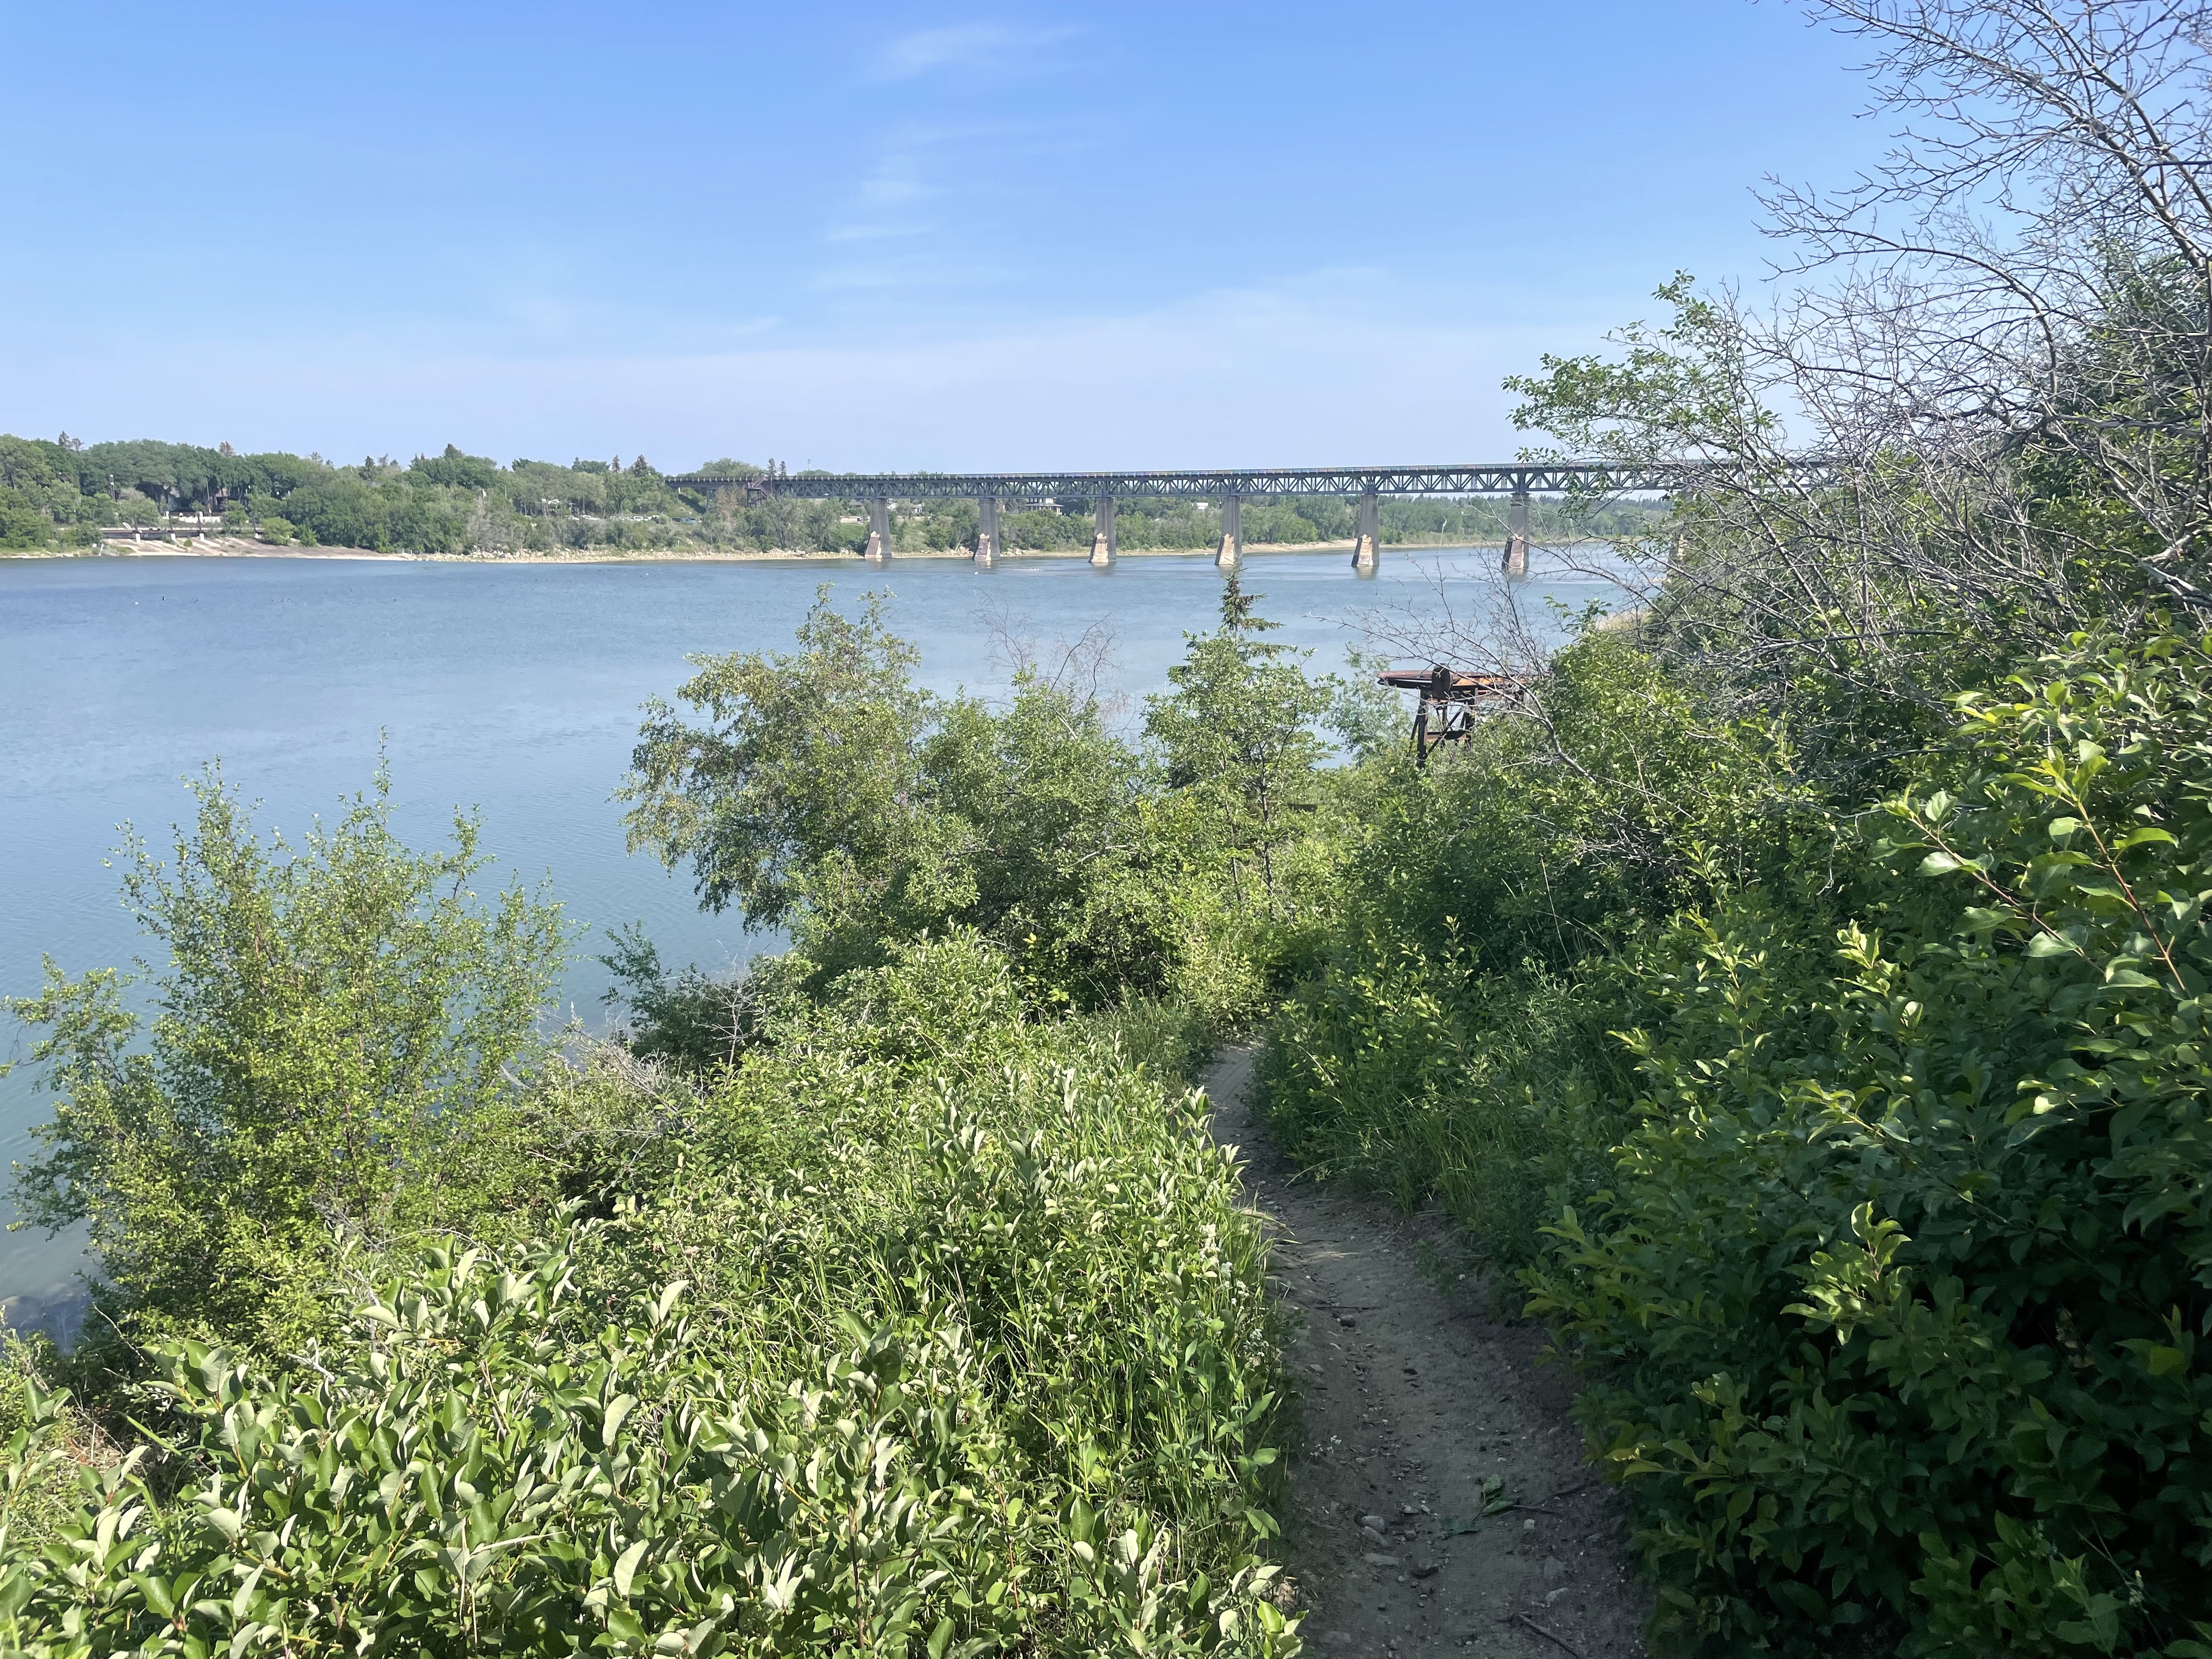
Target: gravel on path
1439	1503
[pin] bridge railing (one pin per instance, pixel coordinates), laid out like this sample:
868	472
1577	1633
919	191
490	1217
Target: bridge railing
1520	480
1475	478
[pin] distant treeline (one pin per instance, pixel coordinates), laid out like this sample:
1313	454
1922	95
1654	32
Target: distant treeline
58	493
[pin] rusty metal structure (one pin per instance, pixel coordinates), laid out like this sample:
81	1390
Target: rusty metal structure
1450	700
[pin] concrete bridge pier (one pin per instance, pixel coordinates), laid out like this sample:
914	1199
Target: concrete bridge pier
1515	563
1367	546
987	529
1230	553
1103	545
879	529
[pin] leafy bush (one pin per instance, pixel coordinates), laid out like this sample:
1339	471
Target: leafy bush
822	790
886	1296
342	1044
1450	1036
22	524
45	1447
694	1021
913	1347
1896	1307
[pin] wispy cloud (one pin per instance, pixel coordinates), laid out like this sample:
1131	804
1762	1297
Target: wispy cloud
962	45
1333	366
889	201
926	177
892	201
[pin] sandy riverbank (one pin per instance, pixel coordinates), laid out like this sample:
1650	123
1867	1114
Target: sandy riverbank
233	547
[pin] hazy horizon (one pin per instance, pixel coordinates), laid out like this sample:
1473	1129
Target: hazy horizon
884	238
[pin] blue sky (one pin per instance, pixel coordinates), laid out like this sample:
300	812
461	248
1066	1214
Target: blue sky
872	236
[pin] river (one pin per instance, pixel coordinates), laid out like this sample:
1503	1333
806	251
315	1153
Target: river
512	688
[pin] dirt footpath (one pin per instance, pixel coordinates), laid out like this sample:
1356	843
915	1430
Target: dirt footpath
1439	1503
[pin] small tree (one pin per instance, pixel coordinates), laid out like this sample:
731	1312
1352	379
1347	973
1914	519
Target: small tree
824	791
799	791
341	1032
1237	736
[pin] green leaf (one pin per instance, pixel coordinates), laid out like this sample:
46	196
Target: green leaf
1807	1600
155	1590
666	1300
626	1567
618	1410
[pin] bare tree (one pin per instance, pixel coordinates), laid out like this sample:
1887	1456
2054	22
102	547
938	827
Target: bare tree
1998	344
1077	669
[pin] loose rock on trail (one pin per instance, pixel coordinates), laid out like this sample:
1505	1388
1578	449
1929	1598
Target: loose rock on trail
1439	1503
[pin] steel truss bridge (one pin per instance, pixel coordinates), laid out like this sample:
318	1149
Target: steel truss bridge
1479	478
1231	488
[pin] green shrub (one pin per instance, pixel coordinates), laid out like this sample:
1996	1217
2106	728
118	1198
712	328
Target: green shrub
344	1042
912	1348
1896	1306
45	1445
822	791
1450	1037
22	525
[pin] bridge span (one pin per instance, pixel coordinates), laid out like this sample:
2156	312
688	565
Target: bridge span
1516	480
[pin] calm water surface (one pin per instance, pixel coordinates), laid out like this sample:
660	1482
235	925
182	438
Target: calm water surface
511	687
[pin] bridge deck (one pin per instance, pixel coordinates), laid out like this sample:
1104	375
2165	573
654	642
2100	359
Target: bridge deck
1477	478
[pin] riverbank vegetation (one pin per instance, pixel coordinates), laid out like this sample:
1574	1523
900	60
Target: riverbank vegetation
1797	997
894	1297
1795	991
56	495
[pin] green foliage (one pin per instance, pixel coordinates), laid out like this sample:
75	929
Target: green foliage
340	1032
798	793
1236	740
1370	720
1883	1239
1450	1037
874	1299
459	470
455	502
822	791
21	524
694	1021
1046	810
448	503
346	510
1674	387
825	792
913	1348
44	1444
1897	1300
